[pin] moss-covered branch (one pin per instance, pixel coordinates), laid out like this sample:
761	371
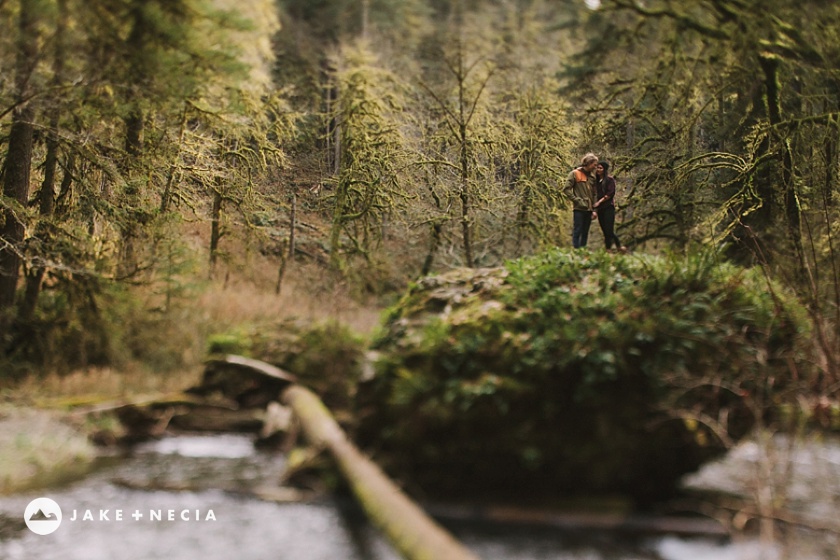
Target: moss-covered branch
411	531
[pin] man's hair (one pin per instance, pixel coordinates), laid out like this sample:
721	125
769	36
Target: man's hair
588	158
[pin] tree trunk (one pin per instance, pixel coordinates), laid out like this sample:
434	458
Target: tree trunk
409	529
292	226
136	45
464	195
793	218
134	125
830	154
437	230
287	253
526	199
18	160
339	211
434	244
365	18
173	167
215	227
46	196
64	200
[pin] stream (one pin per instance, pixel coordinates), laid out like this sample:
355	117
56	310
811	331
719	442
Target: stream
200	508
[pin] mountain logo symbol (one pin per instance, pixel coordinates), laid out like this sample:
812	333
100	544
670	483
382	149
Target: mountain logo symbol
42	516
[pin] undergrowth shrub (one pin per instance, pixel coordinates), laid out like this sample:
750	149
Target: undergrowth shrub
72	327
94	322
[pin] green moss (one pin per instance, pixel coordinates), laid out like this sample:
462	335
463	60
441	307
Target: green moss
325	357
571	370
230	343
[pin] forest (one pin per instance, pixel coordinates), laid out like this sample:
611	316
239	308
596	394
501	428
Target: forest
368	195
156	150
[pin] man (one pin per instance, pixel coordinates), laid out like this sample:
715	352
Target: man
580	189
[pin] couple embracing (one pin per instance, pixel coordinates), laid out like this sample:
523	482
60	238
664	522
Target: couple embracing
591	189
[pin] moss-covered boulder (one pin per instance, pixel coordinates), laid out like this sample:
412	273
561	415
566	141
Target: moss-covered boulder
574	373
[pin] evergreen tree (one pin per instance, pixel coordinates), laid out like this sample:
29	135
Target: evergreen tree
155	98
18	161
367	186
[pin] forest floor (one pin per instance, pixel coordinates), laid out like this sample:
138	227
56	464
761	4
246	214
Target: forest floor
45	430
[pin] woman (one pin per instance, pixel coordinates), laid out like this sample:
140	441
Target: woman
605	204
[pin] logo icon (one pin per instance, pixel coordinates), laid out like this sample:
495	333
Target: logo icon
43	516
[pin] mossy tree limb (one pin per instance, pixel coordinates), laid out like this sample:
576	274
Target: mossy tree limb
410	530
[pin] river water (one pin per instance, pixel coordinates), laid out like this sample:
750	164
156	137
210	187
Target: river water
188	497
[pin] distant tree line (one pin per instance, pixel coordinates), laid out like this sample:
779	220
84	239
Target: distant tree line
436	133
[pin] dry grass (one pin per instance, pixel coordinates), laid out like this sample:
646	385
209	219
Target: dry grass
308	292
241	294
94	386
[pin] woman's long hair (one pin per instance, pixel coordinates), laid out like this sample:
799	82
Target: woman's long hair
606	165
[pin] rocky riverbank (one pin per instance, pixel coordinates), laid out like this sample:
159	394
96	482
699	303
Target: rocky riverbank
39	449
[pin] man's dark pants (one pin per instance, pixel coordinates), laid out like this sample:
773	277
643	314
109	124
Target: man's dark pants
580	229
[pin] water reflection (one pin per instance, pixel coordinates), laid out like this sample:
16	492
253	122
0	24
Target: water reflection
184	498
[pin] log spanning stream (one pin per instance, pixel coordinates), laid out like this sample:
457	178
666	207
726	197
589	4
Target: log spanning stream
216	496
251	528
193	475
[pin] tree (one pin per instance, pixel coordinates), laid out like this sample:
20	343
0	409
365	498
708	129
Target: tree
47	192
16	166
367	186
710	57
535	146
731	109
459	97
121	153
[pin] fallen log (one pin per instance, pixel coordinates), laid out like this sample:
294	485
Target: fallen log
250	365
250	383
413	533
584	520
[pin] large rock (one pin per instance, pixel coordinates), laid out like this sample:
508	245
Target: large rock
573	373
